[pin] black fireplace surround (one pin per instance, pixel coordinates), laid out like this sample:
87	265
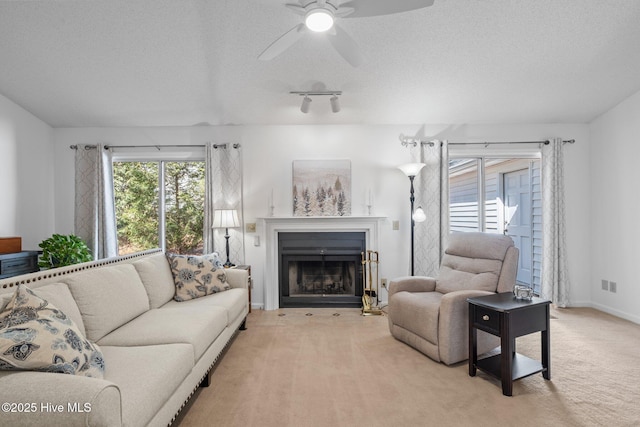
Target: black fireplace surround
320	269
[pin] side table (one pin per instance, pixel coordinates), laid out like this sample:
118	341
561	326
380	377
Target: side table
507	317
248	268
14	264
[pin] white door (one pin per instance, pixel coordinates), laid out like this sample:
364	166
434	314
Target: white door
517	219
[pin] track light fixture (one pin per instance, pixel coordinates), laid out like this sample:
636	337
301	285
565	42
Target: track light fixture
306	100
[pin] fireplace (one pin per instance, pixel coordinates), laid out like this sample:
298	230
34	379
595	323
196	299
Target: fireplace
275	226
320	269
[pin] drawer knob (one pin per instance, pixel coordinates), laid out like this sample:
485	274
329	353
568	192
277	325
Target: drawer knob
485	317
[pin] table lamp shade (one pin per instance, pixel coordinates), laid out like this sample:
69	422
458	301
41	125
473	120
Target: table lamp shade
225	218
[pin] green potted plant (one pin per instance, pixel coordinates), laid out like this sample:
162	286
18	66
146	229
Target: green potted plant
60	250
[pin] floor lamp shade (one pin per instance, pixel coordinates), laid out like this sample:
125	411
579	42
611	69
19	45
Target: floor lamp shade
419	215
411	169
226	218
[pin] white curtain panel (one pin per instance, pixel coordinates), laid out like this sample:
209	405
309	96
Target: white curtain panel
432	194
223	190
95	216
555	278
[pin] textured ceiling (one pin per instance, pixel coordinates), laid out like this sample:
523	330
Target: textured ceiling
194	62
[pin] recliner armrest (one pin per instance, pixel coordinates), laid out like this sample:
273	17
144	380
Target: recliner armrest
453	325
459	298
412	284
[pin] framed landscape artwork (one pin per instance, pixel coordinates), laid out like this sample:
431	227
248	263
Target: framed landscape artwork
321	188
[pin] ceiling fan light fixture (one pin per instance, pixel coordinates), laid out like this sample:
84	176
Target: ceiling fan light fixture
306	103
319	20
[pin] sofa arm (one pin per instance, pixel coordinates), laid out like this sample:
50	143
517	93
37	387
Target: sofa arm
453	328
237	278
40	398
412	284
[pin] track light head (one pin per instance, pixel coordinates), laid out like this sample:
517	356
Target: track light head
335	104
306	103
306	100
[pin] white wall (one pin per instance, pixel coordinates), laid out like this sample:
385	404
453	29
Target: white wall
374	151
615	204
26	176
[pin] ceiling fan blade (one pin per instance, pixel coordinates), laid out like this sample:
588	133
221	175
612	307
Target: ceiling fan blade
346	46
285	41
365	8
296	8
344	11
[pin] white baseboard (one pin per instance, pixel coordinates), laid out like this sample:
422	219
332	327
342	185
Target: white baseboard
621	314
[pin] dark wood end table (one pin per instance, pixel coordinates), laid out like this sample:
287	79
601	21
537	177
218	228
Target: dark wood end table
505	316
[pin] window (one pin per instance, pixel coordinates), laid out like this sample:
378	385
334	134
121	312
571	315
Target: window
159	204
500	195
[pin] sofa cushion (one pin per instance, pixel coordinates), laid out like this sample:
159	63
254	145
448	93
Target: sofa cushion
147	377
108	297
196	276
59	295
235	301
157	279
460	273
35	335
196	326
417	312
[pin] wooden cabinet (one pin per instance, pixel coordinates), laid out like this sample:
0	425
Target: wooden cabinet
18	263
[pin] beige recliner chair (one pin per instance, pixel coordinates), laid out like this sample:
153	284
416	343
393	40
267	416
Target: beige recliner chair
431	314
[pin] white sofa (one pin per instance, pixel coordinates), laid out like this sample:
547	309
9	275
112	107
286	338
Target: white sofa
157	351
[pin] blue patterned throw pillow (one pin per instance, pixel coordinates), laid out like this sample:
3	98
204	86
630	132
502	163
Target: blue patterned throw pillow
197	276
36	336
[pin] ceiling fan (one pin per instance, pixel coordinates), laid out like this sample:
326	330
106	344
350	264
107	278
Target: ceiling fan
320	16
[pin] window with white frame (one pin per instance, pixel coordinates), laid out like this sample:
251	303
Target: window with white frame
159	203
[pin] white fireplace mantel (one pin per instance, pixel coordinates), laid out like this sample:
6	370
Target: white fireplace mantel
370	225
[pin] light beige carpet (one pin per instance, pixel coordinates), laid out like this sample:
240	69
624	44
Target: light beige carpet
338	368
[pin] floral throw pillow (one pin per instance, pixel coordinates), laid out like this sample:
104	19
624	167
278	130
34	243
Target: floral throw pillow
197	276
36	336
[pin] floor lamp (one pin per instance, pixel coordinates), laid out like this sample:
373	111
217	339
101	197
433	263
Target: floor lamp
226	218
411	170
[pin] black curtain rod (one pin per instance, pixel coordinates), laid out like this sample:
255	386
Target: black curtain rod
485	143
157	147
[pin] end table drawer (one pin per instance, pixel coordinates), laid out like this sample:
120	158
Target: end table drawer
487	319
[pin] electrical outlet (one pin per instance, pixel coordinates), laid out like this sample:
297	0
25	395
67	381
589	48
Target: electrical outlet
605	285
613	287
251	227
384	283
